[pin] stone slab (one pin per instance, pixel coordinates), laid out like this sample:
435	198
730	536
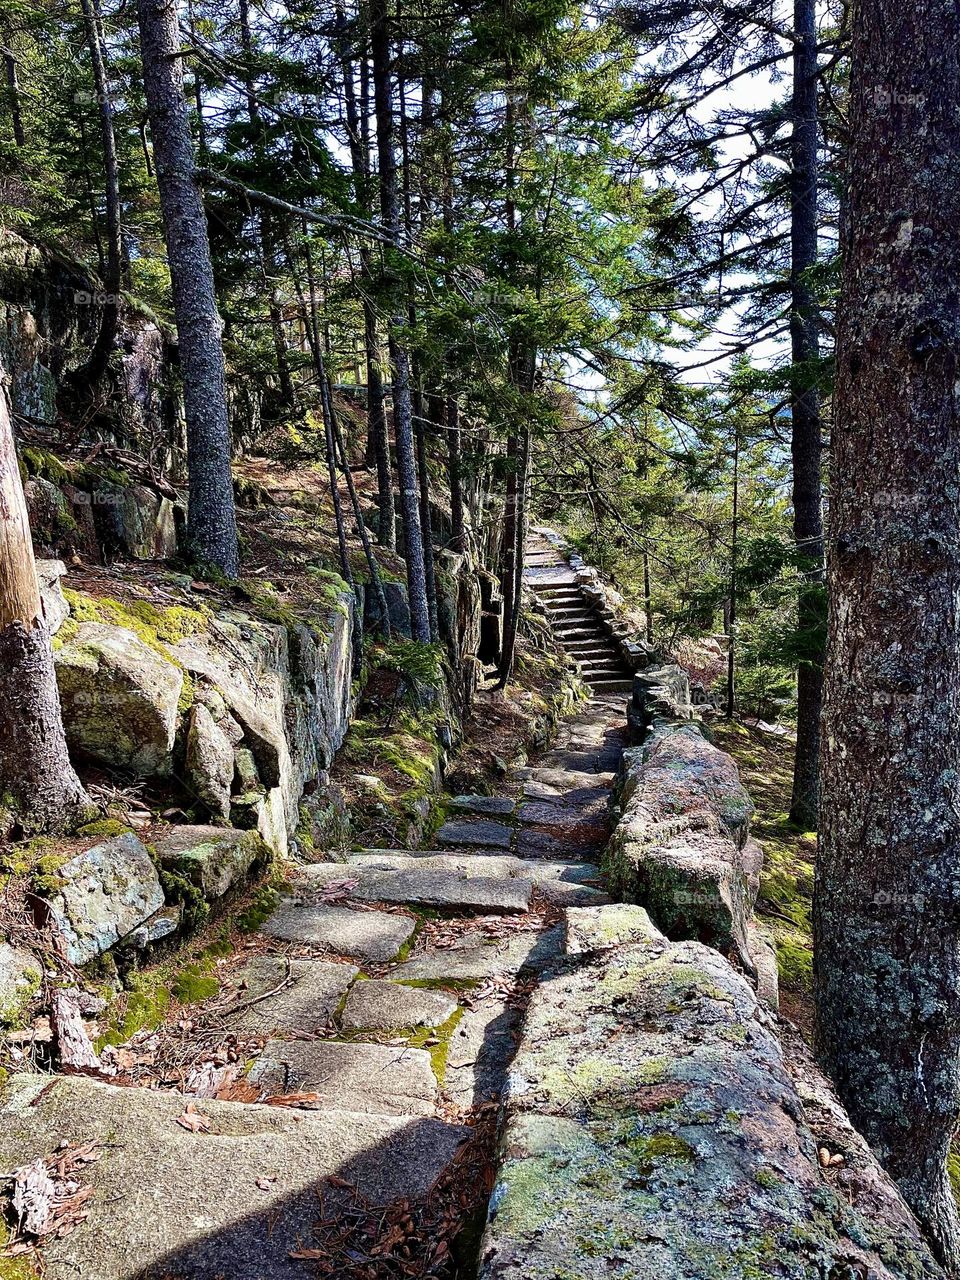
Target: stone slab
420	883
475	831
472	959
375	936
367	1078
232	1202
306	1005
379	1005
479	1053
495	805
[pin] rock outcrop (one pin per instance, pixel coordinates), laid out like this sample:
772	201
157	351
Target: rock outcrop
682	847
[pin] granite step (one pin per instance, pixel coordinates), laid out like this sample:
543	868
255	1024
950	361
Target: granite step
236	1199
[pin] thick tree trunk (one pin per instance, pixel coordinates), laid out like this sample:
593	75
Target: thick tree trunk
511	623
887	903
399	356
805	412
91	372
41	792
211	521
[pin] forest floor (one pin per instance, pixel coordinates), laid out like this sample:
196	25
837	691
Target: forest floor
786	882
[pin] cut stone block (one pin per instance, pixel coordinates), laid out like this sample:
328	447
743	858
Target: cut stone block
420	883
368	1078
603	928
215	859
479	1053
307	1004
235	1201
501	805
472	959
382	1006
375	936
476	831
105	893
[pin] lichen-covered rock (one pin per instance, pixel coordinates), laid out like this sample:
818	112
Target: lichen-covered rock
20	977
209	761
119	698
104	894
55	607
652	1129
681	848
215	859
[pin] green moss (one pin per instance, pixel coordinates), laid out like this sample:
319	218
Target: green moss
649	1153
14	1268
767	1178
259	910
38	462
192	985
180	889
953	1171
106	827
143	1007
436	1040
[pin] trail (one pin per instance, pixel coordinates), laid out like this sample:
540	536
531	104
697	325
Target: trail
377	1009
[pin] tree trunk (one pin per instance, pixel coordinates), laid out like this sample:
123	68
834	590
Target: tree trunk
512	617
13	92
805	412
35	770
93	370
887	901
402	409
731	700
211	520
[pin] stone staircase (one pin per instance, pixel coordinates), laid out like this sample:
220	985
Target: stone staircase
578	628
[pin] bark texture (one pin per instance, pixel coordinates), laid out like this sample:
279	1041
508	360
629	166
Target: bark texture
211	522
39	790
888	889
805	410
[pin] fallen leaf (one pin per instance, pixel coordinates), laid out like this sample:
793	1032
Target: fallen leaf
192	1120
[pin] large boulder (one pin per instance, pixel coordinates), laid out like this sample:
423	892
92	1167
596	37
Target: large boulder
20	977
119	697
652	1129
104	894
287	689
681	848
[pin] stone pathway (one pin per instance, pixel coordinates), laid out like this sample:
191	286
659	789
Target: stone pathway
375	1019
578	628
